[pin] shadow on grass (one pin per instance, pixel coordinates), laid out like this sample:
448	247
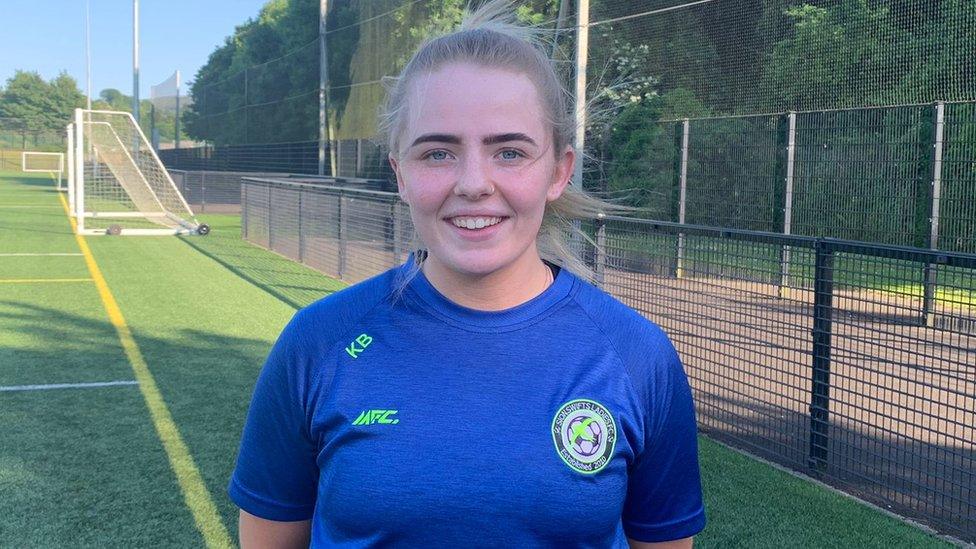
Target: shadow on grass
206	380
31	229
27	181
293	284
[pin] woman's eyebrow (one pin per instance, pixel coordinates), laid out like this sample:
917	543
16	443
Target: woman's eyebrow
437	138
506	137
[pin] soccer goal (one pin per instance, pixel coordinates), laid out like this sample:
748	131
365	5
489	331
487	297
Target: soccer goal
44	162
118	185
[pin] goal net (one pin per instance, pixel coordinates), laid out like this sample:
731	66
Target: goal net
119	185
44	162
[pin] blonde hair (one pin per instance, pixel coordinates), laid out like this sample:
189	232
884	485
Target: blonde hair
490	37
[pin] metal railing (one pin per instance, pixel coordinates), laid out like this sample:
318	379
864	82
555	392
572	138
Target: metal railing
220	191
839	370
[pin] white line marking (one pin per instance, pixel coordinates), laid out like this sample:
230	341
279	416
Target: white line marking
65	386
36	206
37	255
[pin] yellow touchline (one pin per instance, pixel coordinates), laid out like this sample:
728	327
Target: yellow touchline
35	280
195	493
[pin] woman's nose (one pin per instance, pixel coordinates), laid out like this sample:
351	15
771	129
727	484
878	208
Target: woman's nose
473	180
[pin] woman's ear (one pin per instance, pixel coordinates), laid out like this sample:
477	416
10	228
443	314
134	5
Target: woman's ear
562	173
401	189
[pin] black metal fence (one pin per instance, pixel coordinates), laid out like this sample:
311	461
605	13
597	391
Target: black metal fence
299	157
893	175
838	367
220	191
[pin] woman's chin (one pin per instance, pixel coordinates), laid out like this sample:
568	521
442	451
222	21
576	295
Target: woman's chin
478	263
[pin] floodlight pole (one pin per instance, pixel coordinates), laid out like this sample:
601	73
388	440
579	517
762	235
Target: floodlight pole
323	89
135	60
88	52
582	51
177	121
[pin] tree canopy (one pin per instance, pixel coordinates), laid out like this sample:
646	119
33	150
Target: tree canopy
261	85
40	105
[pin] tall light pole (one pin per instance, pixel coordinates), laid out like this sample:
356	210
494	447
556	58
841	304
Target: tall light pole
582	51
135	60
325	136
88	51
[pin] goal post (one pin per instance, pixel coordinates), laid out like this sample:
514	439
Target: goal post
71	169
44	162
119	185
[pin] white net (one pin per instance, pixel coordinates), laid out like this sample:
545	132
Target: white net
123	178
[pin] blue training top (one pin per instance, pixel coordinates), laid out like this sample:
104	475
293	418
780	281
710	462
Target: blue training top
414	421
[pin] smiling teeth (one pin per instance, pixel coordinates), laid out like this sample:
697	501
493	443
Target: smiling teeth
475	222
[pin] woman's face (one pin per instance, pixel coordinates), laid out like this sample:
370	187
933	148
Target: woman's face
476	166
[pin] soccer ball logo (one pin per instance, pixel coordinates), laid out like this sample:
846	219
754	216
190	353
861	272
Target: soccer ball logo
585	433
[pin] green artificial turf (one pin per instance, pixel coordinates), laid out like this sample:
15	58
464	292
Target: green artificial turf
750	504
85	468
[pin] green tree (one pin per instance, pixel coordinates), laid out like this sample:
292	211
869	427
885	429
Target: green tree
261	85
39	107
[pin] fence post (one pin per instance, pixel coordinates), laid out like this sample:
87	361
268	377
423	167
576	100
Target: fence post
600	252
301	231
203	191
270	217
359	158
784	260
930	271
683	196
244	231
246	137
820	379
342	237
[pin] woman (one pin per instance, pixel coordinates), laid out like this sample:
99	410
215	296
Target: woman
476	395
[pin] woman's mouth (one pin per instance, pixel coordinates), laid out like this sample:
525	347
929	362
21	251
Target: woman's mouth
474	222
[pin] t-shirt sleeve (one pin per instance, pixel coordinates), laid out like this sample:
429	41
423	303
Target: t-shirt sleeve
276	475
664	495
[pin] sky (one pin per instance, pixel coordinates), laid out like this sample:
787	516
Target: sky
48	36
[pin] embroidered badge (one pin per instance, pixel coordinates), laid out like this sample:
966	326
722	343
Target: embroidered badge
585	434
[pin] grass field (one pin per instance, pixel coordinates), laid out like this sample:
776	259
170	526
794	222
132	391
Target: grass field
147	464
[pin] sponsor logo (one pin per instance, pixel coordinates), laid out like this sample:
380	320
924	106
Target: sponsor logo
584	434
369	417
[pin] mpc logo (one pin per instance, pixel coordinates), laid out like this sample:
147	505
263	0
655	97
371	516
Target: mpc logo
369	417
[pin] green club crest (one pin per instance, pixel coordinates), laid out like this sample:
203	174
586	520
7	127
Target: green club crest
584	434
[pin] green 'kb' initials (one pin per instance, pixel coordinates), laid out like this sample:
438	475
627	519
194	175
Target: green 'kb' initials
363	340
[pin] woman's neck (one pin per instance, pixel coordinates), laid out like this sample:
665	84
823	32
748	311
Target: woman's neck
502	289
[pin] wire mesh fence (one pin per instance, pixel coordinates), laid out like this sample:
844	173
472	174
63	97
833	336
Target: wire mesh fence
351	234
18	135
856	364
213	191
851	141
299	157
